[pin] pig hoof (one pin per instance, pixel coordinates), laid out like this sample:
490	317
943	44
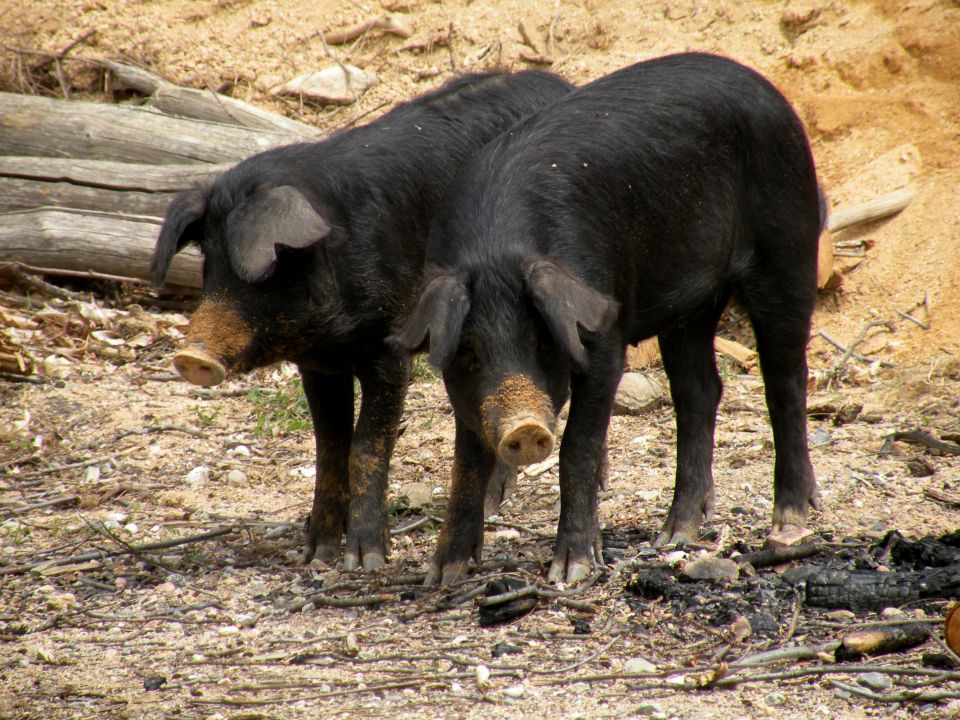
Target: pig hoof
324	553
373	561
569	573
787	535
668	537
350	562
447	575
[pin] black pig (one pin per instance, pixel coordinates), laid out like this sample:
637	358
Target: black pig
632	207
311	252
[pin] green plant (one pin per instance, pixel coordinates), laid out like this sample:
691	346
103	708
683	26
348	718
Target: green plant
280	411
422	370
207	416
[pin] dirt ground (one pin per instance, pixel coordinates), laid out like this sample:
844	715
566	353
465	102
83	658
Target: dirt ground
103	454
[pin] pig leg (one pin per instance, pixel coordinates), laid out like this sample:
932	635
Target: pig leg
695	387
462	533
330	398
501	485
383	384
582	467
781	345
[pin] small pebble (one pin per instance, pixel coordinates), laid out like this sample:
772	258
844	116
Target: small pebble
875	681
483	677
229	630
775	699
893	612
198	476
638	666
515	691
236	477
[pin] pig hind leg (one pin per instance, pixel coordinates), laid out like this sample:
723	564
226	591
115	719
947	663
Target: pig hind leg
780	300
695	386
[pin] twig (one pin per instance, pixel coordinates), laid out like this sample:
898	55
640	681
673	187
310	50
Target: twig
341	602
285	699
90	274
897	697
163	428
64	500
388	23
56	58
103	554
856	356
911	318
860	338
73	466
22	274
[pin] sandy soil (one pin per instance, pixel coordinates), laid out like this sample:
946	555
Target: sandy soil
876	84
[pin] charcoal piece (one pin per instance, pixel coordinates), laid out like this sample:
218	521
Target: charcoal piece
508	610
861	590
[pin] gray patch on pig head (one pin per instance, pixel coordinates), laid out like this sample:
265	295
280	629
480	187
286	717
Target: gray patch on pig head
279	216
566	305
439	314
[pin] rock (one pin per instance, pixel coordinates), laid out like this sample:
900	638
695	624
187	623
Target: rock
639	666
515	691
740	629
417	494
197	477
340	85
840	615
236	477
637	394
775	699
712	569
483	677
788	536
875	681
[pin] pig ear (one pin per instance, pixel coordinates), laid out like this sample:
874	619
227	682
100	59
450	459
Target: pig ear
439	314
278	216
566	305
178	230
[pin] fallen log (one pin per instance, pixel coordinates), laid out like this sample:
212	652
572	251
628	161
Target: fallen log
61	239
127	188
31	125
203	104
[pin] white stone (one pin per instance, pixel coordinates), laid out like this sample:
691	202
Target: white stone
200	475
341	84
638	666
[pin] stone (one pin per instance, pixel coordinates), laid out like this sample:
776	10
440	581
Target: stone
341	84
639	666
875	681
713	569
637	394
417	494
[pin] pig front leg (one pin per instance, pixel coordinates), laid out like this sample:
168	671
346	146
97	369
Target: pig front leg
583	469
462	533
383	384
330	398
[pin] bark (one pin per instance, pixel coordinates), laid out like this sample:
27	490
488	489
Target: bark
870	590
62	239
31	125
127	188
204	104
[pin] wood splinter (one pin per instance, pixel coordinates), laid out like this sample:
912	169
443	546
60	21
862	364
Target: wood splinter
391	24
882	640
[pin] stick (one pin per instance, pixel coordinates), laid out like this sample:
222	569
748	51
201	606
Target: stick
875	209
103	554
388	23
765	558
39	65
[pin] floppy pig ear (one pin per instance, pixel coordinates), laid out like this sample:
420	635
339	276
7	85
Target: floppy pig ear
184	210
566	303
277	216
440	312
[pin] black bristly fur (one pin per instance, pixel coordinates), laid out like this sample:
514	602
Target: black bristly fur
665	187
326	299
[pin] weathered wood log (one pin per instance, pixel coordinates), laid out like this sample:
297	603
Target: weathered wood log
875	209
882	640
870	590
31	125
127	188
204	104
62	239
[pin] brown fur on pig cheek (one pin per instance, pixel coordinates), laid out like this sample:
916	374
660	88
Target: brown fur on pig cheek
223	332
516	394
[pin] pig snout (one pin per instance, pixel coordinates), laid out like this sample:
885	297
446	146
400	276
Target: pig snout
526	440
199	367
519	421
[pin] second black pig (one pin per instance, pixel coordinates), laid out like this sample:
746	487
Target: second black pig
632	207
310	253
